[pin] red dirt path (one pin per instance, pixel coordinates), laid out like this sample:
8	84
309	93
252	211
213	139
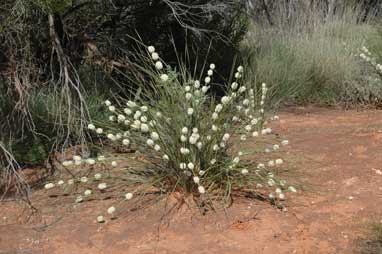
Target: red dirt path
336	153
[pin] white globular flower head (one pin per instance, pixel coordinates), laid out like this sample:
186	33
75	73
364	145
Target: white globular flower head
196	179
91	127
197	84
218	108
246	102
212	66
131	104
144	128
234	85
279	162
143	119
244	171
49	186
165	157
97	176
129	196
207	80
226	137
184	130
114	164
225	100
121	118
205	89
194	138
79	199
201	189
154	135
107	103
102	186
67	163
151	49
90	161
183	138
187	88
188	96
99	130
159	65
190	111
215	116
126	142
100	219
164	77
157	147
112	108
154	56
240	69
190	166
284	142
137	114
210	72
183	165
184	150
236	160
111	210
150	142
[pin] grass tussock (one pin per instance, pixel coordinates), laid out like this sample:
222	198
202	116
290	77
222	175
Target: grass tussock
373	245
315	59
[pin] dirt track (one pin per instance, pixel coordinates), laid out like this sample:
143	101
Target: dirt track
337	155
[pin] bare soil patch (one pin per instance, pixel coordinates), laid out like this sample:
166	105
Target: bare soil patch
335	154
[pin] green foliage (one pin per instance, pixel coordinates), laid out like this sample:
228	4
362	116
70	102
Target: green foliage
186	141
57	6
318	63
373	244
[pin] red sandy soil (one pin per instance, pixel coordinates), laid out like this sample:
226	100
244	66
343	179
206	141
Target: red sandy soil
336	154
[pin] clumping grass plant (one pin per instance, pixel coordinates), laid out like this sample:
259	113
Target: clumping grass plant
314	60
187	140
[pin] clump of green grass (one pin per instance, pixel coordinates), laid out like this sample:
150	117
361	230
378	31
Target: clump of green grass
188	141
373	245
315	60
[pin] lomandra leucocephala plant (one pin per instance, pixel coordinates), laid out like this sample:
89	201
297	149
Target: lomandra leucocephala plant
188	139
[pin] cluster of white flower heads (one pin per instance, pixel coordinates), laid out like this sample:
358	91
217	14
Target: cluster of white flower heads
200	144
367	57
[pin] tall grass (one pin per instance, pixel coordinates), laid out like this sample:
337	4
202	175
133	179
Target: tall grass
314	58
